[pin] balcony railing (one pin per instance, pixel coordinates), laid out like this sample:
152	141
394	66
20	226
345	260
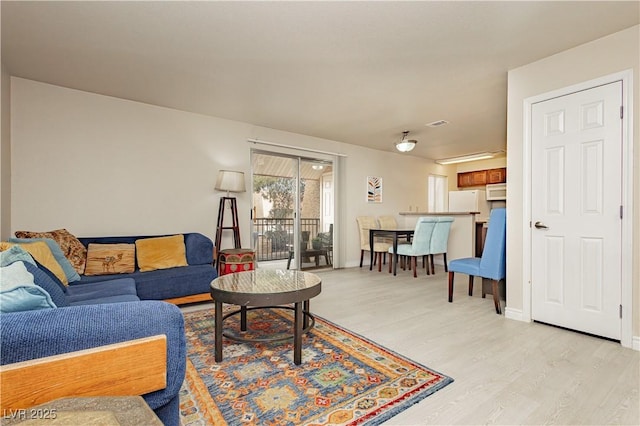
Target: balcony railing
273	238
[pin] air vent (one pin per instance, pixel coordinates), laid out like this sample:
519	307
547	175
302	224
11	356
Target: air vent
437	123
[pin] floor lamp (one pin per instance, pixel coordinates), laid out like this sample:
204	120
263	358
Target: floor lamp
229	181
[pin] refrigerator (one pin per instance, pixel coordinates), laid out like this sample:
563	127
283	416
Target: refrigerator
474	200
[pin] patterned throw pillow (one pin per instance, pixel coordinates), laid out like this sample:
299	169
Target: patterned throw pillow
72	248
105	259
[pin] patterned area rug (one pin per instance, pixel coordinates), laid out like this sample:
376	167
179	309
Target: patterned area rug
344	378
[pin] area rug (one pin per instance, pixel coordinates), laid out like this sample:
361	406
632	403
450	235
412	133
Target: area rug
344	378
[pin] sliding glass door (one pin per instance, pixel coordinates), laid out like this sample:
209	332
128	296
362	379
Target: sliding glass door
292	211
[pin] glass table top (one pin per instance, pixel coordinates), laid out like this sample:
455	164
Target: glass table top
266	281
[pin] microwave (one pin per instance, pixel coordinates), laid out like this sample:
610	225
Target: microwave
496	192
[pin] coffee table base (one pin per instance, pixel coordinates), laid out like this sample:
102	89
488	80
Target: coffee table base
308	323
301	325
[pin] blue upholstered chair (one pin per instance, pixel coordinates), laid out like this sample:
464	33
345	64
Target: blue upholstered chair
492	264
440	240
420	244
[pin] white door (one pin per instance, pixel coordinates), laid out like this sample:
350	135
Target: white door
576	197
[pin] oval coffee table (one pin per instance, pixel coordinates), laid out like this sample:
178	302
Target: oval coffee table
265	288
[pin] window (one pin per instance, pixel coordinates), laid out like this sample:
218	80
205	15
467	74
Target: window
437	193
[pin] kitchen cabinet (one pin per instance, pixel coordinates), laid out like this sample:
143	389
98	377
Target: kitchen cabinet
482	177
497	175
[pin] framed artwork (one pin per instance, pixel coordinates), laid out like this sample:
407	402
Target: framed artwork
374	189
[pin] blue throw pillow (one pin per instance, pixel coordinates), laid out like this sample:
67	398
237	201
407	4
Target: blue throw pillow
67	267
18	291
15	254
44	278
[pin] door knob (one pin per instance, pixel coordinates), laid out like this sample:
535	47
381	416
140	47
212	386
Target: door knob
540	225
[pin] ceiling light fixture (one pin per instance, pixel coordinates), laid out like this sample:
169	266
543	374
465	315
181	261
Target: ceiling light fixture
317	167
406	145
470	157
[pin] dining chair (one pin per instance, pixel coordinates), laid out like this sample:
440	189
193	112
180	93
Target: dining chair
419	245
492	264
389	222
326	242
365	223
440	240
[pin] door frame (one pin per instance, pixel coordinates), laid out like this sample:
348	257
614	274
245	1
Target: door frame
298	157
626	261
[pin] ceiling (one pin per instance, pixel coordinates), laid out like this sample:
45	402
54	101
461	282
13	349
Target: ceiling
355	71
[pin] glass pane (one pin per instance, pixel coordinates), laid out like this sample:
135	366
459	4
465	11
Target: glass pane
274	205
316	214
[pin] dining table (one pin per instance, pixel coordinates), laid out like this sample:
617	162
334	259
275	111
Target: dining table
396	234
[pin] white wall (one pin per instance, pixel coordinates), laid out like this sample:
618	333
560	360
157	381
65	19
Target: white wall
614	53
5	155
98	165
490	163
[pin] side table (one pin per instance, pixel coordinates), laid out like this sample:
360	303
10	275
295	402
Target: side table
235	260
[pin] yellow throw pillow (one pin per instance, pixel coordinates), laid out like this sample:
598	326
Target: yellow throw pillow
105	259
42	253
161	253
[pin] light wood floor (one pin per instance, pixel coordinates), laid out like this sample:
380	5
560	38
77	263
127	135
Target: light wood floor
506	372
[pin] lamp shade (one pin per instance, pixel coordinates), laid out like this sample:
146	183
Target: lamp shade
230	181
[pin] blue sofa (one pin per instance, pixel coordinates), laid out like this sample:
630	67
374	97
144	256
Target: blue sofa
164	284
89	316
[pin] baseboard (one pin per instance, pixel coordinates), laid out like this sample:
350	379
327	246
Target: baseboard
635	343
514	314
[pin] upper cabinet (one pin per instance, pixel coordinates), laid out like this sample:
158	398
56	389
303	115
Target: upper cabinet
497	175
482	177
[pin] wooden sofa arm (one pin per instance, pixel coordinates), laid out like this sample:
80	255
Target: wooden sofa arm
134	367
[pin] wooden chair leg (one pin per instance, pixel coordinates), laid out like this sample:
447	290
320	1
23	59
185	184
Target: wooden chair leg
414	260
361	257
433	269
470	285
379	261
496	296
444	256
391	262
451	286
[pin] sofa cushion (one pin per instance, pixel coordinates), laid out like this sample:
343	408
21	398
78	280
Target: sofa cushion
161	253
72	248
40	251
49	282
117	290
68	269
199	249
164	283
107	299
104	259
18	291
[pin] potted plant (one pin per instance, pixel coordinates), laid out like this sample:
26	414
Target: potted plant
316	243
